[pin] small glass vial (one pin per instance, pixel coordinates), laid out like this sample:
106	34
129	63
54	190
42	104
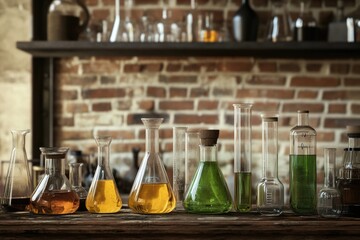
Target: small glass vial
270	191
103	195
329	200
242	156
303	181
18	182
179	164
75	177
54	194
151	192
208	192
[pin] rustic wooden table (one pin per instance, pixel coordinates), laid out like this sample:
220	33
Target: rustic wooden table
176	225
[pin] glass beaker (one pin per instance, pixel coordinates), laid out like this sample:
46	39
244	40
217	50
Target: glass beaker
75	177
179	134
103	195
151	192
54	195
303	181
329	200
280	24
18	182
208	192
270	191
192	154
242	156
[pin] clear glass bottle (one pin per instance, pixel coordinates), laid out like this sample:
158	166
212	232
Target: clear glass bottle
242	157
151	192
303	194
270	190
348	181
209	32
103	195
54	194
329	200
245	23
18	182
280	24
75	177
192	154
179	134
208	192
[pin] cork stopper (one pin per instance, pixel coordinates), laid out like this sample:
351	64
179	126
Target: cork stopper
209	137
353	131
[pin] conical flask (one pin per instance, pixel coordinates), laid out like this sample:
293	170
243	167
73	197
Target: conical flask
103	195
18	184
54	195
151	192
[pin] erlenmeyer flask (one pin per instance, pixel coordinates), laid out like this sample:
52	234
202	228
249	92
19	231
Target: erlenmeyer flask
103	196
151	192
18	184
54	195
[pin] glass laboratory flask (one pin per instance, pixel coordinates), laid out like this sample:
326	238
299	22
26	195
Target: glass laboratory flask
270	191
329	200
303	194
18	182
103	195
192	154
151	192
54	195
348	181
242	156
179	134
75	177
208	192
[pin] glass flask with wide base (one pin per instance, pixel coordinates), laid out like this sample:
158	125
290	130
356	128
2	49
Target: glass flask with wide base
151	192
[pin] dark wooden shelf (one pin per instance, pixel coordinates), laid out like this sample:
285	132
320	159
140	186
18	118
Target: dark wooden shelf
295	50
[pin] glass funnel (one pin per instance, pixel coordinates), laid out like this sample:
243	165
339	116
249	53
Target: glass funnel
54	194
103	195
18	183
151	192
75	177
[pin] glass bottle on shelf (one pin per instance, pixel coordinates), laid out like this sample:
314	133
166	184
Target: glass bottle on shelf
103	195
305	25
303	181
242	157
329	200
245	23
151	192
54	194
75	177
270	190
179	134
348	181
280	24
208	32
208	192
18	183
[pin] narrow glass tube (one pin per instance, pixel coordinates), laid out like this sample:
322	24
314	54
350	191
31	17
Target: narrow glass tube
179	164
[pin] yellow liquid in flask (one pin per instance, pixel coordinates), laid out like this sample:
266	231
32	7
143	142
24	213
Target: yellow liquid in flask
105	199
152	198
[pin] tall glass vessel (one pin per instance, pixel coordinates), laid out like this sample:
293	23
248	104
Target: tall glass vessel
151	192
303	192
270	191
208	192
179	164
329	200
192	154
18	184
242	156
75	178
103	196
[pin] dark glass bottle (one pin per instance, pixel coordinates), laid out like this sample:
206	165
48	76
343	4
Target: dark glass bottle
245	23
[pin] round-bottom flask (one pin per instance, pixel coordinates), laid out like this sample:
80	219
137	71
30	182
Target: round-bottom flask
151	192
54	195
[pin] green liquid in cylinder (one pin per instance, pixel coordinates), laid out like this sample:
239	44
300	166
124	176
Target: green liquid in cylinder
303	197
243	191
208	192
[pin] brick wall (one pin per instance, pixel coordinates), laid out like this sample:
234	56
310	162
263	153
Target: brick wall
108	95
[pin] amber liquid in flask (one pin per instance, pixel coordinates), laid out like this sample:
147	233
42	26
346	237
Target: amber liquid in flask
103	195
54	195
151	192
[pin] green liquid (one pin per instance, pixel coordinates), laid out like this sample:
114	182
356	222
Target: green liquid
208	191
243	191
303	197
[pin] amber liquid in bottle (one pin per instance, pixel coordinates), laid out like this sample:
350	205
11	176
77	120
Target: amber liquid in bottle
17	204
57	202
153	198
106	198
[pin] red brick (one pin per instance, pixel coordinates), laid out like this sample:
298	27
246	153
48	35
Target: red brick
151	67
313	67
178	79
269	93
352	82
73	135
289	67
266	80
199	92
267	66
178	92
208	105
223	92
66	95
339	68
104	93
196	119
100	14
64	122
308	94
312	107
77	108
147	105
146	2
172	67
314	82
192	68
337	108
341	122
176	105
117	134
101	67
131	68
123	105
235	66
91	2
66	79
101	107
355	108
356	68
159	92
341	95
107	80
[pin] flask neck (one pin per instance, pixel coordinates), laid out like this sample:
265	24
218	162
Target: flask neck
75	174
103	155
54	166
18	138
354	142
303	118
152	140
329	167
208	153
270	147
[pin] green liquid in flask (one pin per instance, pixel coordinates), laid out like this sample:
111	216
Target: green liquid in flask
208	192
243	191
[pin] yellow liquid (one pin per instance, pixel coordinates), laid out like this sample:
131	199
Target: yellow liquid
152	198
104	198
